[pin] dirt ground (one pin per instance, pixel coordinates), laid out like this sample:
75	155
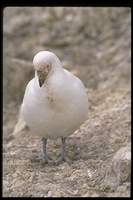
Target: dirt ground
95	45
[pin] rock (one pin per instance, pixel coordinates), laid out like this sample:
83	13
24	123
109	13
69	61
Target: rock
6	183
20	126
119	170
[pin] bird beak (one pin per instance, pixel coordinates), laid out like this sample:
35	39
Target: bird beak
42	76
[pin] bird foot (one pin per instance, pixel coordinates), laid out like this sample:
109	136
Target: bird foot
44	160
47	159
61	157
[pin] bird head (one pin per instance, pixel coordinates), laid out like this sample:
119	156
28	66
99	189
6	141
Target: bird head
42	64
46	62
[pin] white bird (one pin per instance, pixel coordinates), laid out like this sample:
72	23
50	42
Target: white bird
55	103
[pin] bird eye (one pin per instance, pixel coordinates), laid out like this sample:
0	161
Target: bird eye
48	68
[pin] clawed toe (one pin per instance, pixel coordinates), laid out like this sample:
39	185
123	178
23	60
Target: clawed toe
62	157
47	159
44	160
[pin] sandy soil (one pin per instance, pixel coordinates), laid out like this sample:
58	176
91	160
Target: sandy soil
95	45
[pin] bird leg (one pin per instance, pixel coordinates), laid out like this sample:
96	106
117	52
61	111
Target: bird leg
63	156
46	158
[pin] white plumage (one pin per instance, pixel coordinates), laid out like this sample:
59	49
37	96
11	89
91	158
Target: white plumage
55	103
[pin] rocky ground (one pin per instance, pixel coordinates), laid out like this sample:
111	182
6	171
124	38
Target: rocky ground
95	45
